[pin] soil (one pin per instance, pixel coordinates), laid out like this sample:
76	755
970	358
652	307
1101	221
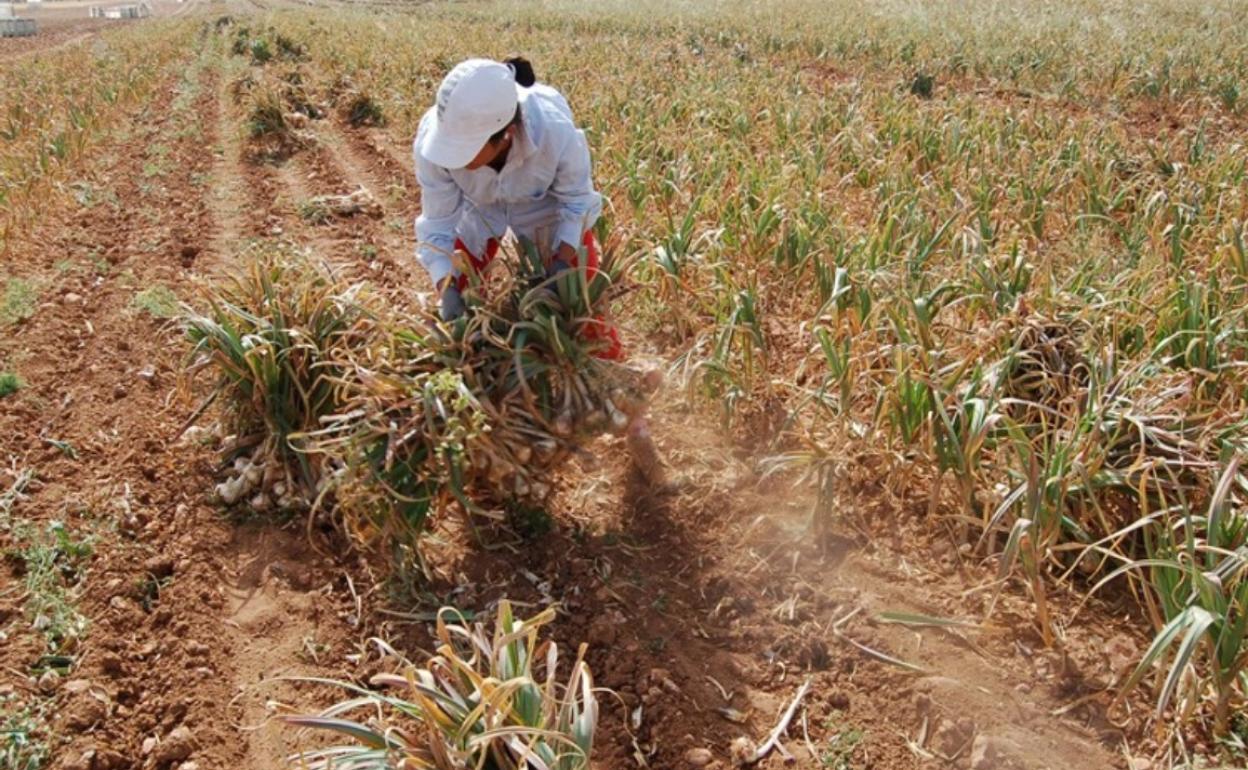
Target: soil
718	601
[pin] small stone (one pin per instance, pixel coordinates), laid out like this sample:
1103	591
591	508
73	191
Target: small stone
85	713
149	743
159	566
698	757
119	391
189	766
176	746
71	298
77	686
85	761
112	664
148	374
951	738
49	681
922	704
195	649
990	753
110	760
1140	763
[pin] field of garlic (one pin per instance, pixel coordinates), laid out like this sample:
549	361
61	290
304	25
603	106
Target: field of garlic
998	248
994	255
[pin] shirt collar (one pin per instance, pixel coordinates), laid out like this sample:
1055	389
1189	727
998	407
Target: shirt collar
525	142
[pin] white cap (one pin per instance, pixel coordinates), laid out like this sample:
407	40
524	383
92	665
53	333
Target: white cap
476	99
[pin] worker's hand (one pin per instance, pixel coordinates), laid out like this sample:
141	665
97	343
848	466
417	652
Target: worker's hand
452	303
556	267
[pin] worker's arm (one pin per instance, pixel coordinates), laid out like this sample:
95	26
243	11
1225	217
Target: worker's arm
579	203
441	207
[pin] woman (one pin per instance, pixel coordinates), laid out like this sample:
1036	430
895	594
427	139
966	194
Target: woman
499	151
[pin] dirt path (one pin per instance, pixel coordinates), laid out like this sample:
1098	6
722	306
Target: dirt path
705	611
186	611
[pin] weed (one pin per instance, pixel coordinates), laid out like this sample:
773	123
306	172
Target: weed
530	521
10	383
22	745
842	743
18	301
363	110
158	301
54	563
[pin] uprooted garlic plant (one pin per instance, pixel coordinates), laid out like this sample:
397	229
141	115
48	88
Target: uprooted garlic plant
268	334
405	414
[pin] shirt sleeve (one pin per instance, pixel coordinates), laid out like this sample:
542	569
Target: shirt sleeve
441	207
579	203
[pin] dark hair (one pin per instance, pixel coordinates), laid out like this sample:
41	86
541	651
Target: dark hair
523	69
524	77
497	136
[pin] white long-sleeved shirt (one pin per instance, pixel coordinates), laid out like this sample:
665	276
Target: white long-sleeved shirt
544	192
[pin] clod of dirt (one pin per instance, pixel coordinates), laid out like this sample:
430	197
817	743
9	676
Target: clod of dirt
952	738
77	686
49	681
698	757
112	665
196	650
992	753
840	701
84	761
176	747
85	712
119	391
71	298
922	704
159	566
188	255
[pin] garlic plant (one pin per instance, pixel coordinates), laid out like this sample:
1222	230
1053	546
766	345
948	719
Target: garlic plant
484	700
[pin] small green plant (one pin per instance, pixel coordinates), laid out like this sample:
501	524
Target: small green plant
314	211
267	114
530	521
842	744
288	48
21	744
18	302
10	383
363	110
54	563
158	301
260	51
923	85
